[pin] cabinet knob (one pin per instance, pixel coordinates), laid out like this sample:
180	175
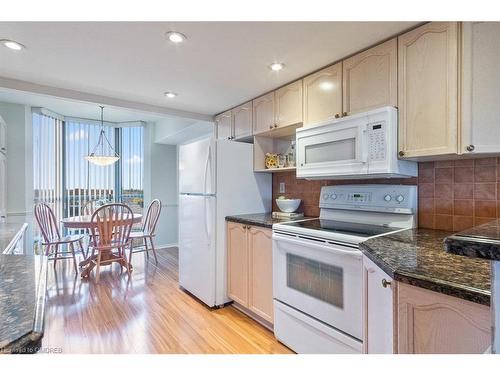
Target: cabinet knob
401	153
385	283
337	115
470	148
344	114
270	126
275	126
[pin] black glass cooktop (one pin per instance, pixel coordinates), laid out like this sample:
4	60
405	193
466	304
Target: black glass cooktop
342	227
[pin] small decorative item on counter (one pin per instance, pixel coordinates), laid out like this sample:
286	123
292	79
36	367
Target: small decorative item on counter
281	161
271	160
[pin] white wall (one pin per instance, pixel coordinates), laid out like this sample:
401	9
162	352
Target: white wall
19	158
160	181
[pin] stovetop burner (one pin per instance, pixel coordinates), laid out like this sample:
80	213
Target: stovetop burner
342	227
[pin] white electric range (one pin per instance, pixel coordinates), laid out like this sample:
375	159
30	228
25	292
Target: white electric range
317	265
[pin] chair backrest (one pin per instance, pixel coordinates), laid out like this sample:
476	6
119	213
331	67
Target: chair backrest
46	221
88	208
152	216
111	225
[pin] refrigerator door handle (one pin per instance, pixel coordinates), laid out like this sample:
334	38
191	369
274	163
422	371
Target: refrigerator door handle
207	164
206	221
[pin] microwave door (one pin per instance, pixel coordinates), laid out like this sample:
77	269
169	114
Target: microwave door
332	152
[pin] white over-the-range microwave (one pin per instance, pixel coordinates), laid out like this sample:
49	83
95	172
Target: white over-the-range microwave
363	145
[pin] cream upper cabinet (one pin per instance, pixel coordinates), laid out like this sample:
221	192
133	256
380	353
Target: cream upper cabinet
370	78
261	272
323	95
378	310
288	104
242	121
237	261
263	113
480	87
428	90
224	124
434	323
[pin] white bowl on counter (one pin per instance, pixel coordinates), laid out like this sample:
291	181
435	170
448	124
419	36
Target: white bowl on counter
288	205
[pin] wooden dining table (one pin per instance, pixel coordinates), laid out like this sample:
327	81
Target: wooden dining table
85	222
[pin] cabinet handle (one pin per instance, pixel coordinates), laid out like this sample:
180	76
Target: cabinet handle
401	153
470	148
385	283
344	114
337	115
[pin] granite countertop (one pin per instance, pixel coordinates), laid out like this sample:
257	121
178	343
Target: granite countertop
417	257
7	232
22	302
482	241
265	220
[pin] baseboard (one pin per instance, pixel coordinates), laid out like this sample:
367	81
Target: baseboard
167	246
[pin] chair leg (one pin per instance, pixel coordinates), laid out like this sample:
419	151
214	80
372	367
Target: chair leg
98	266
145	240
84	252
153	248
130	255
72	249
55	254
129	269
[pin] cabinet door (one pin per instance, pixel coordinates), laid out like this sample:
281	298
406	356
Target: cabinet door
261	272
428	90
378	310
434	323
3	187
263	113
323	95
480	87
242	121
288	104
237	261
3	136
370	78
224	125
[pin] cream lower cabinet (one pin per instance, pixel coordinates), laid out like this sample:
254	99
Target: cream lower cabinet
250	283
404	319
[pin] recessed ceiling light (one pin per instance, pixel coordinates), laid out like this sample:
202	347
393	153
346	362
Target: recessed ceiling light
276	66
170	95
13	45
175	37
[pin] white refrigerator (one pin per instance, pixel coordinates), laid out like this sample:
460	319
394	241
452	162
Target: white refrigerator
216	179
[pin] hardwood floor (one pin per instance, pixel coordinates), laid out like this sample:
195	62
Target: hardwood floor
148	314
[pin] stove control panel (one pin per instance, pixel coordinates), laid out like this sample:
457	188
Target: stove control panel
379	198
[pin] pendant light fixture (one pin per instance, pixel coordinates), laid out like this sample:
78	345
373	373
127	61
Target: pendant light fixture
98	155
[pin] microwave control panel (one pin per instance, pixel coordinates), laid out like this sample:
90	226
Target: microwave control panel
376	141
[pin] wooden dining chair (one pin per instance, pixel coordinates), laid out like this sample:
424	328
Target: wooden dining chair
52	238
110	231
88	207
148	231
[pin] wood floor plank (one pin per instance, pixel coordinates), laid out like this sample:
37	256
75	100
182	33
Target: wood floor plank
147	314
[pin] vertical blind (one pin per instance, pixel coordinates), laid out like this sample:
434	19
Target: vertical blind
63	178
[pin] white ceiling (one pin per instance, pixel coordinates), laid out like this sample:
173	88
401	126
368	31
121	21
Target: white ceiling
222	64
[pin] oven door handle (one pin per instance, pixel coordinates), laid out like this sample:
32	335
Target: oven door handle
320	245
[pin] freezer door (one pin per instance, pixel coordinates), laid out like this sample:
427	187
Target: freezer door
197	167
197	246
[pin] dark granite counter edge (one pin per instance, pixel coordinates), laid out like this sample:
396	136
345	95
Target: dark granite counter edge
235	219
451	289
473	247
30	342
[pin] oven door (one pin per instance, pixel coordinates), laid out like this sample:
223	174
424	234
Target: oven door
320	279
332	150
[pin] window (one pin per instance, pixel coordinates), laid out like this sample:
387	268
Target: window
65	180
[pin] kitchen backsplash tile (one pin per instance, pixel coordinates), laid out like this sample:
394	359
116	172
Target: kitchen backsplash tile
453	195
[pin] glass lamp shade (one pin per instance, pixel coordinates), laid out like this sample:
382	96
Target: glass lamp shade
102	160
